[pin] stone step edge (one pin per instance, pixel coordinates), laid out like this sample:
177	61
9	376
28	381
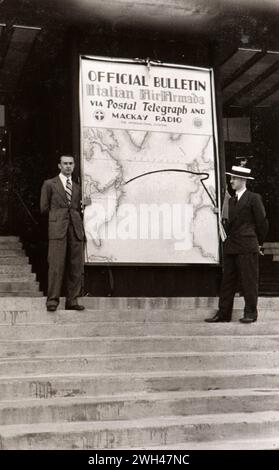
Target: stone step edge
150	355
26	317
24	301
109	318
14	279
166	300
18	285
148	374
126	339
15	251
133	397
31	294
158	303
24	278
271	443
21	331
195	312
11	430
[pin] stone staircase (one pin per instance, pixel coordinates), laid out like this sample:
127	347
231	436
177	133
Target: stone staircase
16	278
272	248
137	373
269	270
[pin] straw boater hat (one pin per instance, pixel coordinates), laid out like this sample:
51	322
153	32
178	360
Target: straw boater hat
240	172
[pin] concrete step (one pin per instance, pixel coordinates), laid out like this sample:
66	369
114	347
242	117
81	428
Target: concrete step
14	252
14	260
170	303
29	293
137	406
25	331
140	432
271	249
73	360
18	286
166	361
22	303
17	277
9	238
40	315
142	303
10	245
255	443
95	384
136	345
11	269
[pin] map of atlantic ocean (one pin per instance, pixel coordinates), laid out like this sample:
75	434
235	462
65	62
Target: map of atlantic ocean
148	201
148	161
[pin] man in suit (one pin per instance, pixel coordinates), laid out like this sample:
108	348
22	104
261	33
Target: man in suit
246	229
61	201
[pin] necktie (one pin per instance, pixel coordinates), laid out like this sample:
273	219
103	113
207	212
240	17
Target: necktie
69	191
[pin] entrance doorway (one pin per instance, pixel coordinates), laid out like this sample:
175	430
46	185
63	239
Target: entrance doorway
250	92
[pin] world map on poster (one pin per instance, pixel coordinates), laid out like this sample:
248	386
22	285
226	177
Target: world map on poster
138	168
151	185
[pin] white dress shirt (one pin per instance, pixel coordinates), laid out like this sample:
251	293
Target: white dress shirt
64	179
240	193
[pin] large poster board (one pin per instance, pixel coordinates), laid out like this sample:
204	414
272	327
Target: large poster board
148	162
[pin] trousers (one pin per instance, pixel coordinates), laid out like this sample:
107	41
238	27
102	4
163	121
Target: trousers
243	268
65	262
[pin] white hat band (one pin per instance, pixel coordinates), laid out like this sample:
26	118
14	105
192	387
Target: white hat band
241	169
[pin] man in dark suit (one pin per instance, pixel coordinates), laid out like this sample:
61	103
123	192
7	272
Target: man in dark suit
246	229
61	201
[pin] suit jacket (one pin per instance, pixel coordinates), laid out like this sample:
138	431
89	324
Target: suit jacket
54	203
247	224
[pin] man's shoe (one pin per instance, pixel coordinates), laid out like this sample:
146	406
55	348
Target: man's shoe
247	320
217	319
74	307
51	308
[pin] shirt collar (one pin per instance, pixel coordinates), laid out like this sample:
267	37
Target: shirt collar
240	193
64	178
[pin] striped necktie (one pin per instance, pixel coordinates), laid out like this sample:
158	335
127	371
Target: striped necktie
69	191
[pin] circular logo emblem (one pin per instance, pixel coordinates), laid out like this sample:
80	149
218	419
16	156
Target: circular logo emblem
198	122
99	115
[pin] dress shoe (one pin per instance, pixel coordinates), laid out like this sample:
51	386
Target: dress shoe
74	307
217	319
247	320
51	308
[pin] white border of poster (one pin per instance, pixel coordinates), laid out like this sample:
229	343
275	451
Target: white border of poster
149	162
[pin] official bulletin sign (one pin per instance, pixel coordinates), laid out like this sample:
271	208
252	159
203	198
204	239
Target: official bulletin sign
149	162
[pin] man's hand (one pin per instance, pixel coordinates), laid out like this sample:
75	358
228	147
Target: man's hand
261	250
87	201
